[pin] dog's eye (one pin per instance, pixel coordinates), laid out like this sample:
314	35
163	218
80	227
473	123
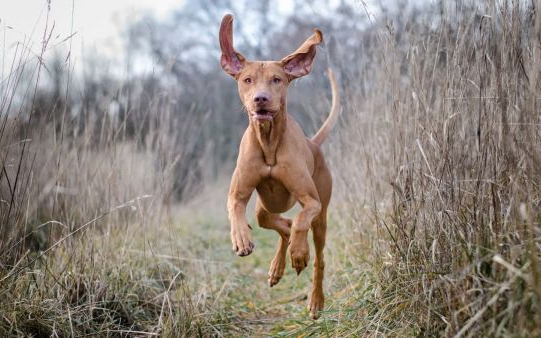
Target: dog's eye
247	80
276	80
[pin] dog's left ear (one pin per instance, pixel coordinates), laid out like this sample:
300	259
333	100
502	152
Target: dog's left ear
299	63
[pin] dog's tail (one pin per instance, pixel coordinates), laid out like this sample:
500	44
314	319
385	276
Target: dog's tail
333	116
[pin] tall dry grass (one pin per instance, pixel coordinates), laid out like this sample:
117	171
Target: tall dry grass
442	138
86	190
436	205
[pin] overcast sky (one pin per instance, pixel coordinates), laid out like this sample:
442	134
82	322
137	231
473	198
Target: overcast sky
96	23
93	20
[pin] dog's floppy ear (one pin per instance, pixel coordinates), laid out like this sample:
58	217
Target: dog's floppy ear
231	61
299	63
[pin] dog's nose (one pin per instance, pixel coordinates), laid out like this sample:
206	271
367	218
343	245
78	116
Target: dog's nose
261	97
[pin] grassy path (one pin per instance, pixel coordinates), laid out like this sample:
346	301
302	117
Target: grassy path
181	278
241	300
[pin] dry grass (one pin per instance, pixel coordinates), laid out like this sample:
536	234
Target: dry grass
435	230
448	153
79	200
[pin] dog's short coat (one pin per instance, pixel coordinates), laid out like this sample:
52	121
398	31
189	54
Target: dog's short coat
278	161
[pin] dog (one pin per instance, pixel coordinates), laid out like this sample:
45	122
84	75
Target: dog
278	161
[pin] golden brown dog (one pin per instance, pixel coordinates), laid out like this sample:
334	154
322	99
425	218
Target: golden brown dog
277	160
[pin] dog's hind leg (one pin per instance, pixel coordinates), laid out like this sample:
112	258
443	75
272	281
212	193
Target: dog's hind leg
282	225
323	180
317	299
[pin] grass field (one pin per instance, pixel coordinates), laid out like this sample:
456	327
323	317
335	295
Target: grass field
183	278
118	227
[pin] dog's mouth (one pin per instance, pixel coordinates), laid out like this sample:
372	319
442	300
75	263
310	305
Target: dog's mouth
262	115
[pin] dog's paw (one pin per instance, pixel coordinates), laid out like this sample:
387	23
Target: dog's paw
316	303
299	259
300	253
276	270
242	241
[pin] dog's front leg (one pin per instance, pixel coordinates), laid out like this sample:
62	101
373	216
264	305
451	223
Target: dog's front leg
300	184
300	254
241	232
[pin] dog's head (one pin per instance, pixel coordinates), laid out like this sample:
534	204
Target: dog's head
263	84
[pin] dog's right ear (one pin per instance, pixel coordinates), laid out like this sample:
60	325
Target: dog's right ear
231	61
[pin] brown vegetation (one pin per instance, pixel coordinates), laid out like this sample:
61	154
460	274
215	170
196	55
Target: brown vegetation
436	165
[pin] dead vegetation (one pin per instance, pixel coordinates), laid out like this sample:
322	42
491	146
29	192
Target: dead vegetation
451	135
436	223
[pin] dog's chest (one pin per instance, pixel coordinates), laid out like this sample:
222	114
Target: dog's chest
274	195
269	183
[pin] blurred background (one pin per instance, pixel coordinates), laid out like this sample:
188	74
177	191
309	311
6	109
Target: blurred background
119	133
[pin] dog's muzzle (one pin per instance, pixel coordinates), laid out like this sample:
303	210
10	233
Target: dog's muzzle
262	115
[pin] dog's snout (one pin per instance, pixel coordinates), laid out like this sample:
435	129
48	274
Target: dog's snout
261	97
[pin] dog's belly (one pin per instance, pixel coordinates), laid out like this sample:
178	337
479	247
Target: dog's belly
274	196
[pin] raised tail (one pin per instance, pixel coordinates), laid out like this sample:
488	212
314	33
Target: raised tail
331	120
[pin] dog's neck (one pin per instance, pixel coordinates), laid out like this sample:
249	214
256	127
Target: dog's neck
269	134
